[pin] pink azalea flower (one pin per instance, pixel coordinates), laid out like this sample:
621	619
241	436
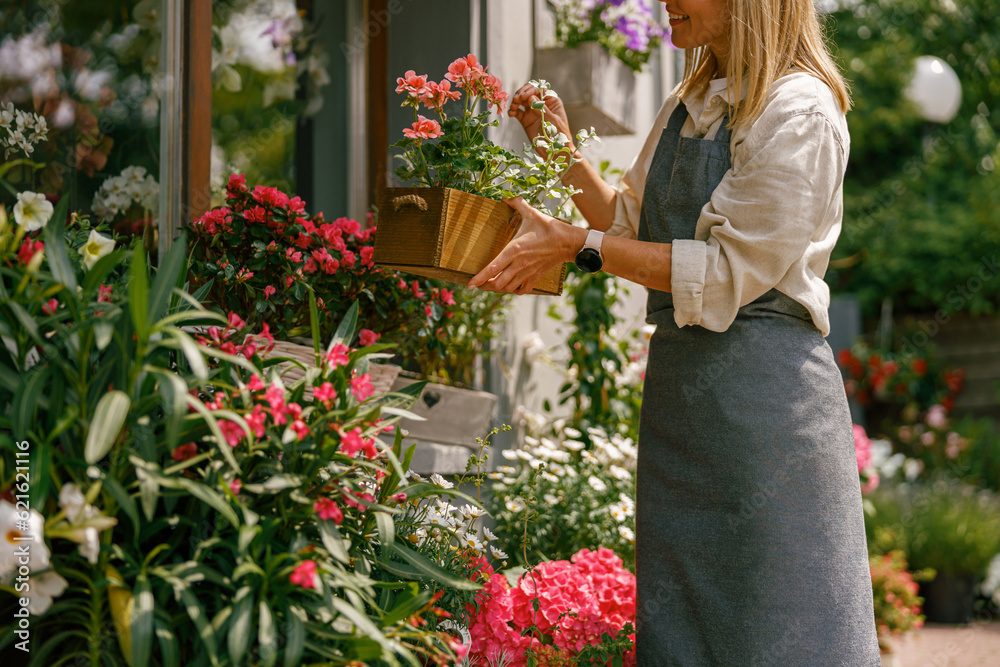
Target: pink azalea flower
236	486
368	337
447	297
293	254
305	575
327	510
366	256
300	429
255	384
361	387
331	266
424	128
50	307
232	431
338	355
235	321
311	266
325	393
275	397
256	420
351	442
237	184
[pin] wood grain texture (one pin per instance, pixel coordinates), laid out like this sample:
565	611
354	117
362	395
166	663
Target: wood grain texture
197	101
453	239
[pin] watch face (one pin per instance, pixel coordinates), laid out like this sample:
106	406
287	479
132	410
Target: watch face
589	260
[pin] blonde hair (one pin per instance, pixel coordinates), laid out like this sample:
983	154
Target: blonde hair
766	37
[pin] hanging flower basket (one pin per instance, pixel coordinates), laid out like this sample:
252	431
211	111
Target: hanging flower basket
447	234
597	89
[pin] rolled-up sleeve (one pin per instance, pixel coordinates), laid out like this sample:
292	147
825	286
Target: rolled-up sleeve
786	179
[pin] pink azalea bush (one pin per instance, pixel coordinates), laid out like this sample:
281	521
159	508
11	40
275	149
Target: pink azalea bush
579	600
263	253
863	452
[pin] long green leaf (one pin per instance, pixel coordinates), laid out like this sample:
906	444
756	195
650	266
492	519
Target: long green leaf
386	530
334	543
105	427
241	624
408	603
267	637
364	624
167	277
124	500
170	652
295	640
192	351
142	622
433	570
55	247
27	397
196	612
347	329
138	292
173	390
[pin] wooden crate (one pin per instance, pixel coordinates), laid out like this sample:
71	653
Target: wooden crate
447	234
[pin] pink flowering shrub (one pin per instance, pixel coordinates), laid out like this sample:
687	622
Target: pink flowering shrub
897	605
579	601
262	253
863	452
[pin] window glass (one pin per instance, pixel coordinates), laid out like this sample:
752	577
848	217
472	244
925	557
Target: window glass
268	72
80	105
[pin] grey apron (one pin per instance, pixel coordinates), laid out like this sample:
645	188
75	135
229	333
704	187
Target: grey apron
750	534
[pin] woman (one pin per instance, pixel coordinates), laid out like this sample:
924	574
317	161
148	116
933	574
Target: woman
750	534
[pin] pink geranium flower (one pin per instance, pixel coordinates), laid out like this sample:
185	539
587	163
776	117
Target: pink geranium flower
305	575
424	128
411	84
436	95
465	70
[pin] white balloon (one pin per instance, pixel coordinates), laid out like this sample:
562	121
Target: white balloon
935	89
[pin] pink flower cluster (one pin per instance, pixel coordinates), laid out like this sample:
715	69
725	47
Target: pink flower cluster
579	600
863	452
252	344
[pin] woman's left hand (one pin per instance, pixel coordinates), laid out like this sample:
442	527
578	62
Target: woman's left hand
541	243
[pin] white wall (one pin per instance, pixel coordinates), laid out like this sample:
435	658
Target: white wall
513	29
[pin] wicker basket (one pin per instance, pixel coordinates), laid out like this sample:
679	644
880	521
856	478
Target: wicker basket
382	375
447	234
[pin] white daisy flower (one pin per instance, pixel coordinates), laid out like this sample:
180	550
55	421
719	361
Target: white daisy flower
550	499
509	454
489	534
597	484
516	504
497	553
574	445
626	533
620	473
571	432
441	481
471	541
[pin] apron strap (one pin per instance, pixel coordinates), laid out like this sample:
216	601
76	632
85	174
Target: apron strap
724	133
678	118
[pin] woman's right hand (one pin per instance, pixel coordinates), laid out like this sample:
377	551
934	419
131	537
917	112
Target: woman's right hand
531	119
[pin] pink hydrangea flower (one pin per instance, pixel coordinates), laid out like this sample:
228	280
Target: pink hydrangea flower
305	575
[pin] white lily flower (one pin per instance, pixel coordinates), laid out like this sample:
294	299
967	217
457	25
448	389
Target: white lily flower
41	591
97	246
32	210
73	502
18	533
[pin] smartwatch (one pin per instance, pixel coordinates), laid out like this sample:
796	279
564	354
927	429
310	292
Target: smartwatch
589	258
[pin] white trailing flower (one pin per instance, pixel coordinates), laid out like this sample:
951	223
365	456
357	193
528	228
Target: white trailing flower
96	247
32	210
20	130
533	347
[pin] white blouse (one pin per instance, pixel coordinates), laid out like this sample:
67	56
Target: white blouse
775	217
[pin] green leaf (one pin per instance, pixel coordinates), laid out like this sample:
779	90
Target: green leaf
102	269
364	624
348	327
196	612
55	247
241	624
124	500
27	397
149	494
296	639
314	322
138	292
386	530
267	637
192	352
169	647
173	391
334	543
433	570
406	605
167	277
142	619
106	425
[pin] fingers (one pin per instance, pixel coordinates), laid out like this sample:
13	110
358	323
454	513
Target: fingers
522	207
520	101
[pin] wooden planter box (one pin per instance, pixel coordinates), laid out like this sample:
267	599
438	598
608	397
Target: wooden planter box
447	234
597	89
454	419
